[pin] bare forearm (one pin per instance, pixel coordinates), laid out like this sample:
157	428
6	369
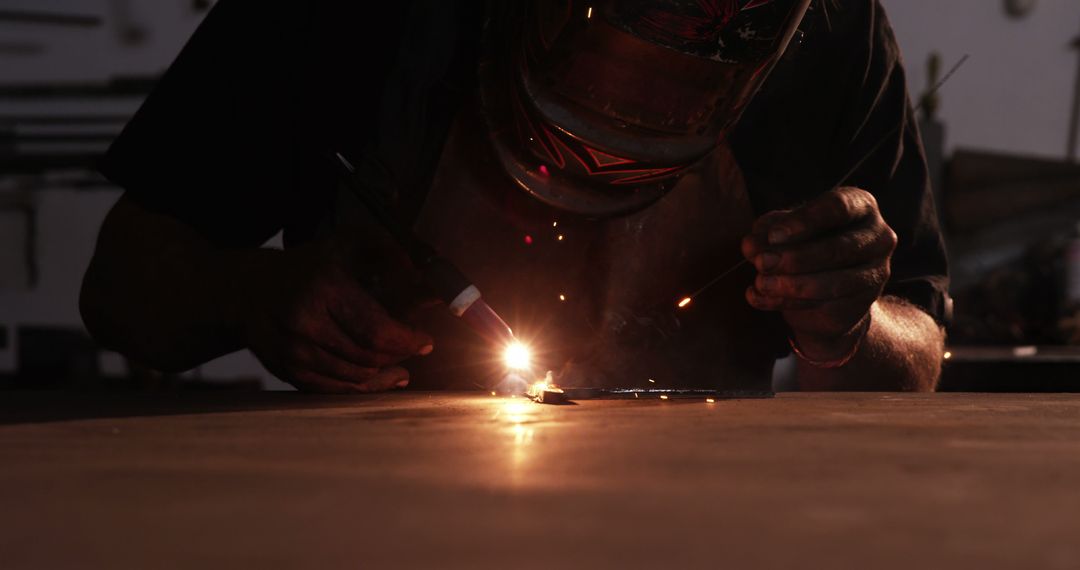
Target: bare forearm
160	294
902	351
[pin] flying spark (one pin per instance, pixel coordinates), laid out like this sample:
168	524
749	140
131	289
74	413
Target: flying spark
685	302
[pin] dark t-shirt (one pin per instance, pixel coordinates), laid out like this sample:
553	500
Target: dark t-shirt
233	141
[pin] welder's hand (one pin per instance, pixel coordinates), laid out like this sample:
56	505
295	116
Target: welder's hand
313	325
823	264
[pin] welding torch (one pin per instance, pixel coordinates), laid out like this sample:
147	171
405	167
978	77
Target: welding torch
461	296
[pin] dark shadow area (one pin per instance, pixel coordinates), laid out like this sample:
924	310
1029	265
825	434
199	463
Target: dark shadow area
1012	369
65	358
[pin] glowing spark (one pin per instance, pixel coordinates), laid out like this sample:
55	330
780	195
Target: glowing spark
663	396
651	380
544	170
710	400
545	391
517	357
685	302
562	297
560	238
528	240
948	355
493	392
541	385
555	224
588	15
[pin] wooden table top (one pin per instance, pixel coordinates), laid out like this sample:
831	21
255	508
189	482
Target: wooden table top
464	480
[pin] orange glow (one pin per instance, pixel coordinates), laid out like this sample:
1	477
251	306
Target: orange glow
544	390
710	400
948	355
663	397
685	302
560	238
516	411
562	297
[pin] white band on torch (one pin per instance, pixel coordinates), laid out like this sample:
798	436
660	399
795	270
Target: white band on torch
464	300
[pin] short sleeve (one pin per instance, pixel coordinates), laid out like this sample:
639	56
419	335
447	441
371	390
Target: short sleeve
213	143
851	104
235	139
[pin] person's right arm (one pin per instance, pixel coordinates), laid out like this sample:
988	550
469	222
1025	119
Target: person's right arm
163	295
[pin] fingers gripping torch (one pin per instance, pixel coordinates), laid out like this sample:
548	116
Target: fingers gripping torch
446	281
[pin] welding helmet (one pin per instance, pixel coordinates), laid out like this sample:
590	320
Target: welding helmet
598	108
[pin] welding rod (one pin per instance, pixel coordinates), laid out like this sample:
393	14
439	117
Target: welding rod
656	393
446	281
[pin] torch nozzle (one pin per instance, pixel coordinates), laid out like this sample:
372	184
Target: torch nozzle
481	318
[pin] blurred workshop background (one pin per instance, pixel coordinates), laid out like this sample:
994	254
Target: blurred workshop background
1001	138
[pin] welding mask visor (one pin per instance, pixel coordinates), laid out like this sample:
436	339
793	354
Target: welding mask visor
599	108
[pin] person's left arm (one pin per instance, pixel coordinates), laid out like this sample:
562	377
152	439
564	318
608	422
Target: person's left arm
859	272
825	266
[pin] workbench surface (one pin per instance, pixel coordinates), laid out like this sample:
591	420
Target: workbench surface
464	480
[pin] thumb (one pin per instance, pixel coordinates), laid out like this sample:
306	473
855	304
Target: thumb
389	378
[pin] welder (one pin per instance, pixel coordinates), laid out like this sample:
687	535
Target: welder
585	164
